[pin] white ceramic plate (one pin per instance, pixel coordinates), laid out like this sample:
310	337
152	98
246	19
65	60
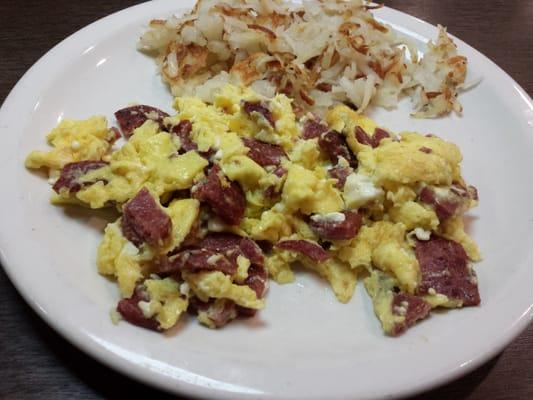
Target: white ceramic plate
305	344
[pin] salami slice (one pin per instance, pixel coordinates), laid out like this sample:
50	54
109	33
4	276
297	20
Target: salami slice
144	220
225	197
198	260
334	145
130	118
310	249
444	269
341	226
413	308
183	131
313	129
341	174
130	311
372	141
252	107
264	154
72	172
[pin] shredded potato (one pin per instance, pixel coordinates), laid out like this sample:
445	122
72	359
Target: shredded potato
319	53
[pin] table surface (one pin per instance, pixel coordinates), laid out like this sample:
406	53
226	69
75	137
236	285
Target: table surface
38	363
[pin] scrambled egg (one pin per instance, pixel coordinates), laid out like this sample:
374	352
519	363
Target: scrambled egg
383	188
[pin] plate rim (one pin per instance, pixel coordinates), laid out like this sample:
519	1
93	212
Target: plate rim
95	350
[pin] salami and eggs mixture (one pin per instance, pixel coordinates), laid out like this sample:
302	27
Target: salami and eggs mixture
218	198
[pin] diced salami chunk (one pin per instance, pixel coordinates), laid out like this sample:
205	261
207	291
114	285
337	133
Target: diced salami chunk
341	226
130	118
72	172
222	241
257	279
334	145
252	251
372	141
445	202
313	129
310	249
379	135
413	308
264	153
280	171
444	269
220	311
228	242
130	311
341	174
183	131
225	197
198	260
258	107
144	220
245	312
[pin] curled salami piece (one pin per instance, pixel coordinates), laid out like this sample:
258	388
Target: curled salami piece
183	131
225	197
336	226
444	269
313	129
72	172
264	153
413	308
310	249
130	118
198	260
130	311
334	145
372	141
341	174
144	220
251	107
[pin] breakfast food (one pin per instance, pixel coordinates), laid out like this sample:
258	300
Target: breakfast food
319	53
220	197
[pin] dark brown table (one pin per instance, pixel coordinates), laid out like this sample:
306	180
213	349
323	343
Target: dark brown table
36	363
